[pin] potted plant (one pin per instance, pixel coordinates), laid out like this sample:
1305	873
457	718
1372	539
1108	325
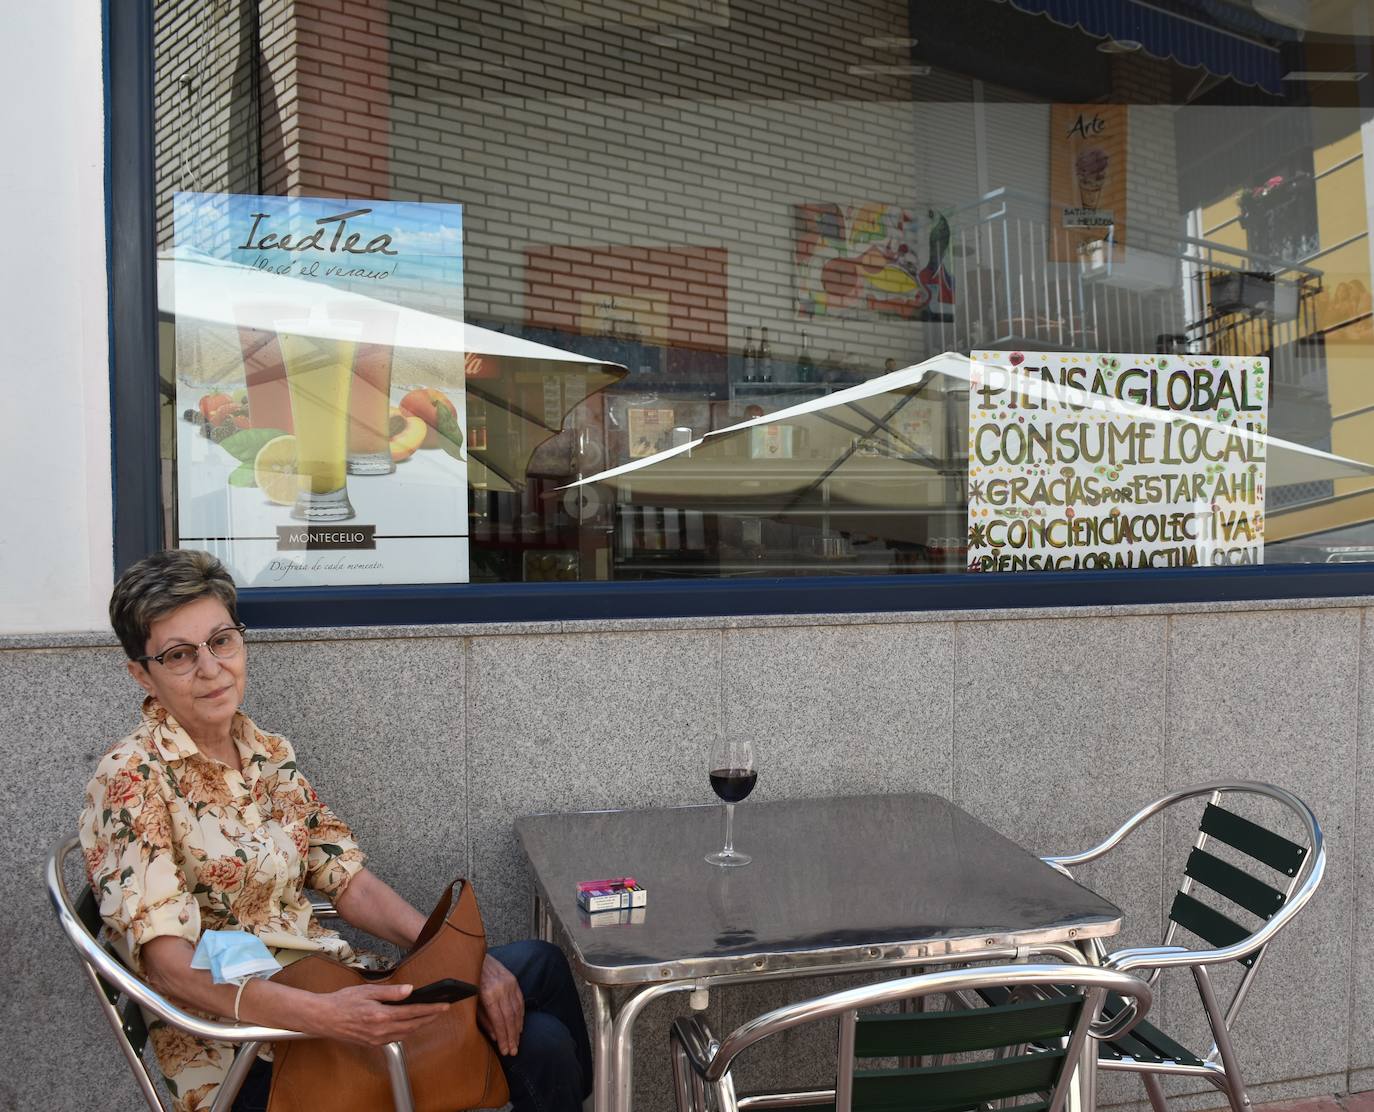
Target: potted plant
1240	291
1274	219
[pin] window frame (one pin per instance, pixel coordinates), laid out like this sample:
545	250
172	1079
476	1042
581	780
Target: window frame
137	492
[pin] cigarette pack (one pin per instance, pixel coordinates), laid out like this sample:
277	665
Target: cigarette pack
613	894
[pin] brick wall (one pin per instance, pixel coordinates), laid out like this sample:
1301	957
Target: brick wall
206	115
679	125
559	126
342	96
274	97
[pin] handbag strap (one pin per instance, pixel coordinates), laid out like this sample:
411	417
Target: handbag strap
438	915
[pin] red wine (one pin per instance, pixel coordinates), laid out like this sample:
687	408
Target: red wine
733	784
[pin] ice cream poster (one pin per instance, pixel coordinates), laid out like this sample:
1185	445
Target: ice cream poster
1115	461
1087	176
320	371
872	260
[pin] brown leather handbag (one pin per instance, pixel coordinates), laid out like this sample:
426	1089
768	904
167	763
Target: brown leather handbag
452	1066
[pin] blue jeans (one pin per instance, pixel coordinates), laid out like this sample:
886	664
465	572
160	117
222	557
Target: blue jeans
552	1070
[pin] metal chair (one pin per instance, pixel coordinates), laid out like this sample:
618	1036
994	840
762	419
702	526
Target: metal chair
1290	872
124	997
1055	1027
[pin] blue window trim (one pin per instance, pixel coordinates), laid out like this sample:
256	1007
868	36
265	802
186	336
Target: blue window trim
131	236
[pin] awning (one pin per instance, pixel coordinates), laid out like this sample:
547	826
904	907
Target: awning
1168	34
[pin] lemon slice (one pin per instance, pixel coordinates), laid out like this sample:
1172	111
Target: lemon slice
274	470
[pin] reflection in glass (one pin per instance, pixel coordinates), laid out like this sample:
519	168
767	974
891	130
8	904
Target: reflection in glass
868	187
269	397
319	371
369	403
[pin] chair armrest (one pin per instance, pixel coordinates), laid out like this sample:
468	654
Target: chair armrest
100	963
1064	860
694	1036
1150	957
1165	957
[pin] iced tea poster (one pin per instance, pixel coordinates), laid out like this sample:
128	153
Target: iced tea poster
320	388
1115	461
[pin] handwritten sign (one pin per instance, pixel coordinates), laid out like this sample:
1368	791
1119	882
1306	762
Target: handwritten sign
1115	461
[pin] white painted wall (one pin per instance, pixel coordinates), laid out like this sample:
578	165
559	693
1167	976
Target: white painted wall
55	503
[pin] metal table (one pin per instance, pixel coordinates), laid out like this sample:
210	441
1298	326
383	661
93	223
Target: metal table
849	884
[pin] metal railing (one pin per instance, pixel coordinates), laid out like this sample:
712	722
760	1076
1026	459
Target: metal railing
1021	282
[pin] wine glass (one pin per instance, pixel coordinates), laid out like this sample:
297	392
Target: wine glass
733	776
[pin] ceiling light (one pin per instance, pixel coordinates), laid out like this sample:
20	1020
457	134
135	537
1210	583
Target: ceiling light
1118	46
1324	75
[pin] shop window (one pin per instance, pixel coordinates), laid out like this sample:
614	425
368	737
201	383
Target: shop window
719	292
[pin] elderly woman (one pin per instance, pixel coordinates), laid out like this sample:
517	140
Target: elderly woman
200	821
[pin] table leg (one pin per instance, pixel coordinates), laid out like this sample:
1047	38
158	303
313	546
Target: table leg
541	922
1083	1094
603	1020
621	1074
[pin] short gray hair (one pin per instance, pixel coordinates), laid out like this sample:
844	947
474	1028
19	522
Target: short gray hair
158	584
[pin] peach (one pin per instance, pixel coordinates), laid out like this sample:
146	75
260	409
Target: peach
425	403
212	402
405	442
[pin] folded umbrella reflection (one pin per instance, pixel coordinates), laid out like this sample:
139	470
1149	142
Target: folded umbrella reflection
887	454
522	390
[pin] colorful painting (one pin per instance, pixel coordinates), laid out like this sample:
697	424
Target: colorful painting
873	259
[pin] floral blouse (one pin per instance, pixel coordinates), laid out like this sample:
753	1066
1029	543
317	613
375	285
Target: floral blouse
177	843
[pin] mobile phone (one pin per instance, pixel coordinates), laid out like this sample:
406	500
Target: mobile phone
447	991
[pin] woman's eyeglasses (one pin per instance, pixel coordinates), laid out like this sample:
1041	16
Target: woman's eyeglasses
223	644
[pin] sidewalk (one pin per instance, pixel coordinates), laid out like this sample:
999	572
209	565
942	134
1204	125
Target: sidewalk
1337	1102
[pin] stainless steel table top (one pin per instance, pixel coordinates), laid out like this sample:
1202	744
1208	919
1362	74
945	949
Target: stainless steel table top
834	881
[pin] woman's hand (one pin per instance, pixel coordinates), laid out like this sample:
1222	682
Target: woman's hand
358	1014
501	1006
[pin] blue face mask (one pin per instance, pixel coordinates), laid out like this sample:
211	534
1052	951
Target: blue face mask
233	957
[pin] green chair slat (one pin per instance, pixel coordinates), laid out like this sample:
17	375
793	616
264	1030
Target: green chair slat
965	1085
1235	884
1132	1045
1164	1046
1145	1042
1208	924
88	911
952	1032
131	1015
1263	845
135	1028
829	1106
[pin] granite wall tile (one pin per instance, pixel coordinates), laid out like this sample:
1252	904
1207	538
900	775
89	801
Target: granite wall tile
1057	740
378	728
580	722
839	710
430	746
1270	696
64	707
